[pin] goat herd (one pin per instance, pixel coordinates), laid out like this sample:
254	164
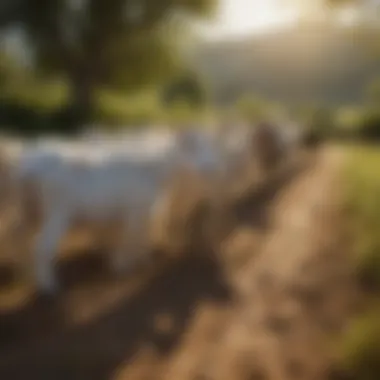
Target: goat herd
121	186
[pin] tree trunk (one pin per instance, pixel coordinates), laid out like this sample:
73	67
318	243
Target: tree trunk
81	104
79	110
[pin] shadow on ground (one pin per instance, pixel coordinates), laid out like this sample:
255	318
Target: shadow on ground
94	351
37	342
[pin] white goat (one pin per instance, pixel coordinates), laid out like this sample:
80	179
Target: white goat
102	186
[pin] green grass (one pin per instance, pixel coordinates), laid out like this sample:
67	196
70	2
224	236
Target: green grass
359	350
363	210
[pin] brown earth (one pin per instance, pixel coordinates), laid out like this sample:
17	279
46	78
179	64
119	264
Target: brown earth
268	313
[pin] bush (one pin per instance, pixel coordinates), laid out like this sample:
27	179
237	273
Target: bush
188	87
363	206
20	119
360	124
38	109
347	122
369	128
359	352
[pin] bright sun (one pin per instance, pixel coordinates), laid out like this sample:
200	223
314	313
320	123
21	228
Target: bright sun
244	16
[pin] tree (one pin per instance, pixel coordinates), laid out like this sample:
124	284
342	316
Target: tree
106	43
188	86
11	11
9	70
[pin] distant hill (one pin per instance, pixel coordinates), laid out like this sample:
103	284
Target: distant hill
308	63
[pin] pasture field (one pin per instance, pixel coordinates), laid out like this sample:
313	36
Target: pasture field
266	310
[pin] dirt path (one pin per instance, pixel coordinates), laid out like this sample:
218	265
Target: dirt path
296	292
268	321
292	294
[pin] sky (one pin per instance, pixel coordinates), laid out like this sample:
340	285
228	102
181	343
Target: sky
242	17
238	17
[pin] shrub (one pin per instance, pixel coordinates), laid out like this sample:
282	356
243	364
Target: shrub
359	351
369	128
363	206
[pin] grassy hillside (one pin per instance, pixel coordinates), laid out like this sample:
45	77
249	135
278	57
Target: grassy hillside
307	63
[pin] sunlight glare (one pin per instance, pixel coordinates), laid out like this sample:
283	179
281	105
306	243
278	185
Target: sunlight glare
238	17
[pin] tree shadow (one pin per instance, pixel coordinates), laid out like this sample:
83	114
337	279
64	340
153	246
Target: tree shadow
37	315
36	342
95	350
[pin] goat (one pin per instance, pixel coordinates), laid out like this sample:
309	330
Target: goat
102	188
271	145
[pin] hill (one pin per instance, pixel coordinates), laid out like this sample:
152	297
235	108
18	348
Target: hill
307	63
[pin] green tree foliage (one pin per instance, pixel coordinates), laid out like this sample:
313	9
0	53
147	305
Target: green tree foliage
122	44
188	87
11	11
9	71
360	350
